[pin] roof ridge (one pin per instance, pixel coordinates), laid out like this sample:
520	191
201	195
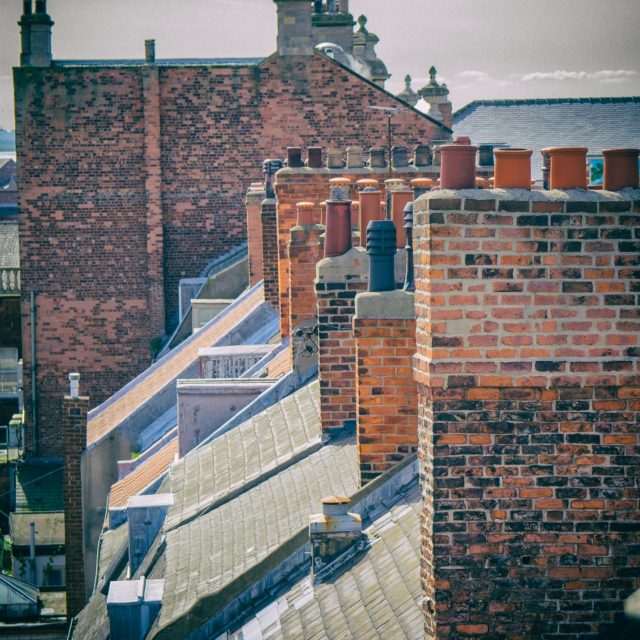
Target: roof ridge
527	101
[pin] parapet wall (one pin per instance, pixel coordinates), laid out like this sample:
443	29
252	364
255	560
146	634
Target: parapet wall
528	371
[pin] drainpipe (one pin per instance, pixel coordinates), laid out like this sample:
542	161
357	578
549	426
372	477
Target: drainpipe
32	551
34	366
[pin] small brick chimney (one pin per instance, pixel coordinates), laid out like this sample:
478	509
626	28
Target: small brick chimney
253	202
295	36
74	441
305	251
332	532
384	327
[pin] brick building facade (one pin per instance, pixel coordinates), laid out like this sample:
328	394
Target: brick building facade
528	380
132	175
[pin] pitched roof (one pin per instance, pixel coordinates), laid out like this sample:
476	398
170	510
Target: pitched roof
205	557
143	476
376	594
109	414
596	123
9	245
245	455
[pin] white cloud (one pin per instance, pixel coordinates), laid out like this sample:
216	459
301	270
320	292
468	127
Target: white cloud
472	74
604	76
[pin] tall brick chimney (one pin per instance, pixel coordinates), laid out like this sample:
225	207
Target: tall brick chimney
305	251
35	34
295	37
528	363
74	440
384	327
253	202
269	226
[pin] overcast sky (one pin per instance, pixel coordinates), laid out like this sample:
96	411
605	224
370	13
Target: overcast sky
482	48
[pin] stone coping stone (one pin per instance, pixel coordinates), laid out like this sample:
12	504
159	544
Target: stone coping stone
385	305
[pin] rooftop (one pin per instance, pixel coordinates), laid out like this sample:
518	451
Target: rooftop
109	414
596	123
376	593
39	487
167	62
49	528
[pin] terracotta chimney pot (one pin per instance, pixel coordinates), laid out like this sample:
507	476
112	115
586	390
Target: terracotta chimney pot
367	182
305	213
568	167
620	169
512	168
314	157
337	239
458	166
294	157
369	199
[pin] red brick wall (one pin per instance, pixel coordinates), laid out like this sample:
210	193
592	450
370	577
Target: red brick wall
269	224
312	185
74	437
529	391
103	191
387	402
253	204
335	295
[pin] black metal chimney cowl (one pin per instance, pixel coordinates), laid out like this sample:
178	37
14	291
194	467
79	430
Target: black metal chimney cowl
381	247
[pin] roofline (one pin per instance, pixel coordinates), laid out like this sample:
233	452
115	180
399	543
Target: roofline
528	101
405	105
289	554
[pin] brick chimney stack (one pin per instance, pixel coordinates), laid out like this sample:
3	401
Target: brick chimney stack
74	439
305	251
269	226
384	327
295	37
35	33
253	203
528	357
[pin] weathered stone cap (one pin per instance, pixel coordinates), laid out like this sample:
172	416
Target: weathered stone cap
385	305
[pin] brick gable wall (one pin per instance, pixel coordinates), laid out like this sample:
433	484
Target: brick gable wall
91	191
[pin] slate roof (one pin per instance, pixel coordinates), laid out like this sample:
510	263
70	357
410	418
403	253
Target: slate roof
92	622
39	487
9	245
143	476
49	528
375	594
108	415
244	455
596	123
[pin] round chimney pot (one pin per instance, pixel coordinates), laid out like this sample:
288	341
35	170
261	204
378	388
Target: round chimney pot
338	228
399	200
369	199
339	188
399	156
512	168
314	157
305	214
620	169
334	159
422	155
355	158
568	167
377	158
458	166
367	182
294	157
394	184
421	186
